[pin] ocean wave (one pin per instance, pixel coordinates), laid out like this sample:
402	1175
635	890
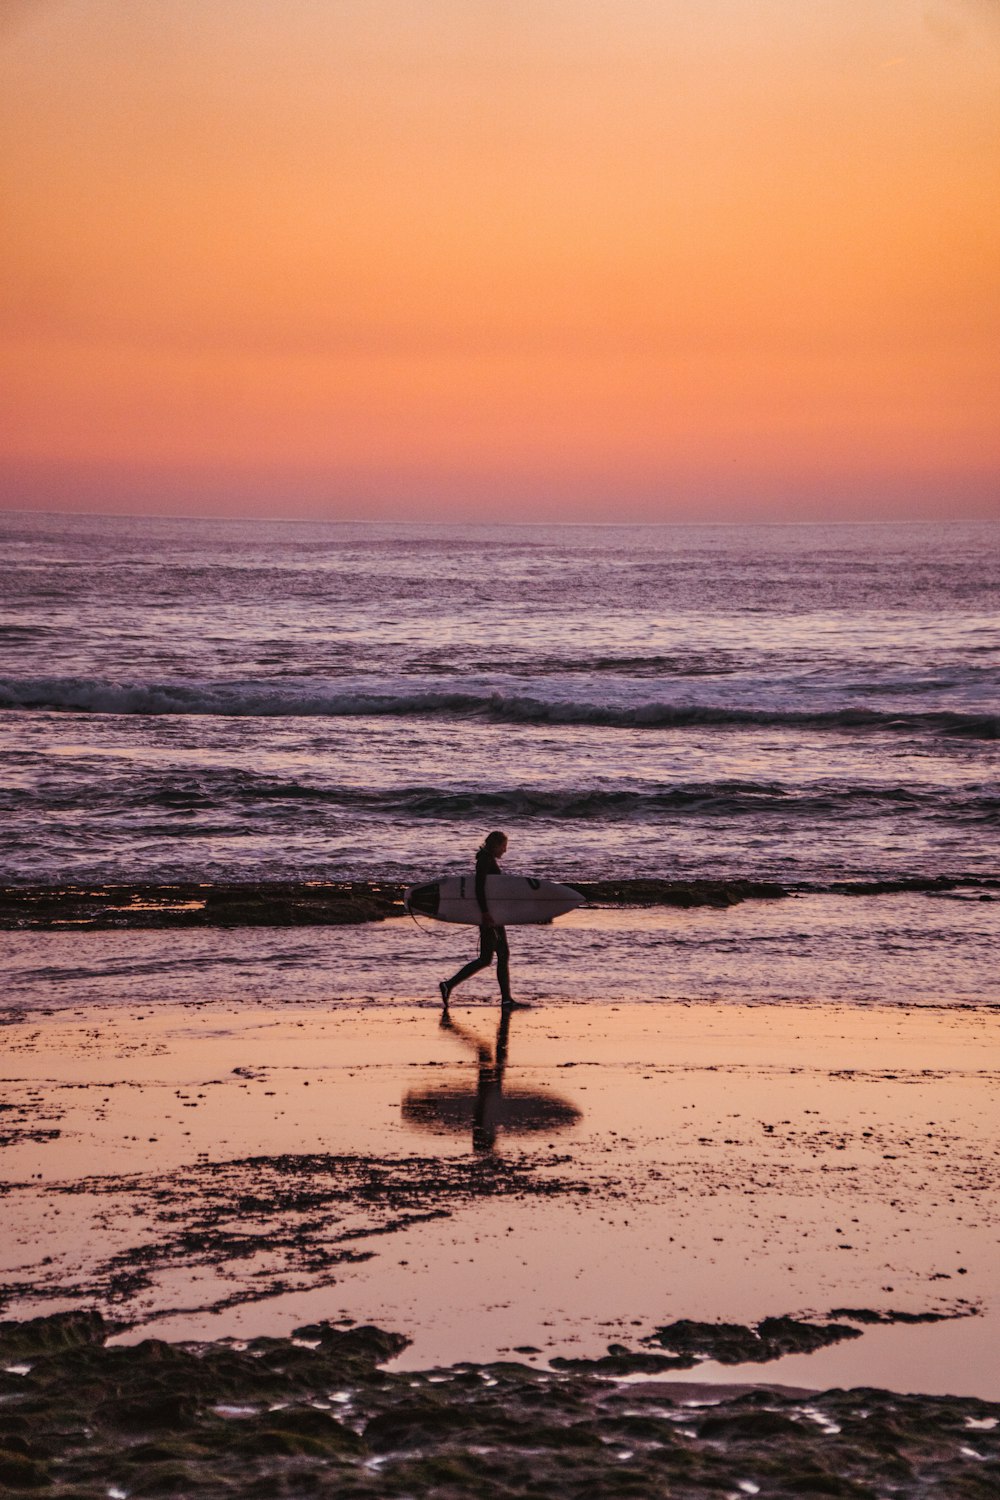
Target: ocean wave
706	799
717	663
275	699
18	633
243	795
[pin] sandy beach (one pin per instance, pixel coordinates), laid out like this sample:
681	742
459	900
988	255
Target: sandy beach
589	1224
208	1170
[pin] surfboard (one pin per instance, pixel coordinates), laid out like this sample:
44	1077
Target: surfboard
513	900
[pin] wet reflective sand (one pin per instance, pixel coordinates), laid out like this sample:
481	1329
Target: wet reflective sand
594	1173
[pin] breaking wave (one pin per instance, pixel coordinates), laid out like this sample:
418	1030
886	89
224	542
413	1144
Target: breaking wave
255	796
329	700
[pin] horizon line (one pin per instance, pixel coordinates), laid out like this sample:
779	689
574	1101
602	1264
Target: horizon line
116	515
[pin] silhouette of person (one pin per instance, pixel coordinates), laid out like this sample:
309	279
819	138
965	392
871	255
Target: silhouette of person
492	938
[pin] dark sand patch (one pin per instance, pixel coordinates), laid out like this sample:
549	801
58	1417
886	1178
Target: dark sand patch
268	1226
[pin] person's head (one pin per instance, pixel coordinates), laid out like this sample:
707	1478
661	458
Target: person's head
496	844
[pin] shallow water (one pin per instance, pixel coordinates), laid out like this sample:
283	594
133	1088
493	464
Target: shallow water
911	948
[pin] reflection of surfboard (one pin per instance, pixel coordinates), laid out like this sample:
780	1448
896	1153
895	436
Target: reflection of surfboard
513	900
516	1110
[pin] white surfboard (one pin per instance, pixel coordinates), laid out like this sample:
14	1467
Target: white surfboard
513	900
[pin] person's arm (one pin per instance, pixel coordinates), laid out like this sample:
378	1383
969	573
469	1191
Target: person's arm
484	866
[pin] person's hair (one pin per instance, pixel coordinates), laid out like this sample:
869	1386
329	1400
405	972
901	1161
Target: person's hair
491	843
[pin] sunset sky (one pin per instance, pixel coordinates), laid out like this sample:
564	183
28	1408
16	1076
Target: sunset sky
512	259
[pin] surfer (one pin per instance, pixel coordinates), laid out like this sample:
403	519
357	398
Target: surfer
492	938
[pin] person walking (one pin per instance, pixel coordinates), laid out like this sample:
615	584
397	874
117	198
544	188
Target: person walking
492	938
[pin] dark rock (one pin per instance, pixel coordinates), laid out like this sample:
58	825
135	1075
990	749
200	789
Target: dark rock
37	1336
869	1315
164	1450
22	1473
166	1479
683	893
859	1314
416	1424
362	1342
303	1429
788	1336
624	1363
147	904
15	1442
504	1430
799	1482
753	1425
733	1344
170	1410
729	1343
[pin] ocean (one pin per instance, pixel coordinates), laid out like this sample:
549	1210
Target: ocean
258	699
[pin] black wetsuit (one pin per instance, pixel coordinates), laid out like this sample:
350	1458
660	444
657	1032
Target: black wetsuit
491	939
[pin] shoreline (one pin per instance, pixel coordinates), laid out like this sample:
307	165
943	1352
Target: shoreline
152	905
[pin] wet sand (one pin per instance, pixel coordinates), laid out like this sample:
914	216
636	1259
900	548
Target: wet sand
597	1174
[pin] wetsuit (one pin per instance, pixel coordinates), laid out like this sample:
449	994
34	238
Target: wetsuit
491	939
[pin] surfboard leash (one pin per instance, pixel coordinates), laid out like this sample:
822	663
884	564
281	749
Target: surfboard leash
410	912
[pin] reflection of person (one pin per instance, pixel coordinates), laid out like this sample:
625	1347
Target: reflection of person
492	939
491	1108
488	1107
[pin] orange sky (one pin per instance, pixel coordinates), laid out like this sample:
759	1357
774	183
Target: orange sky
609	259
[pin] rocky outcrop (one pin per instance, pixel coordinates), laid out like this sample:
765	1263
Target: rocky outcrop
316	1414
